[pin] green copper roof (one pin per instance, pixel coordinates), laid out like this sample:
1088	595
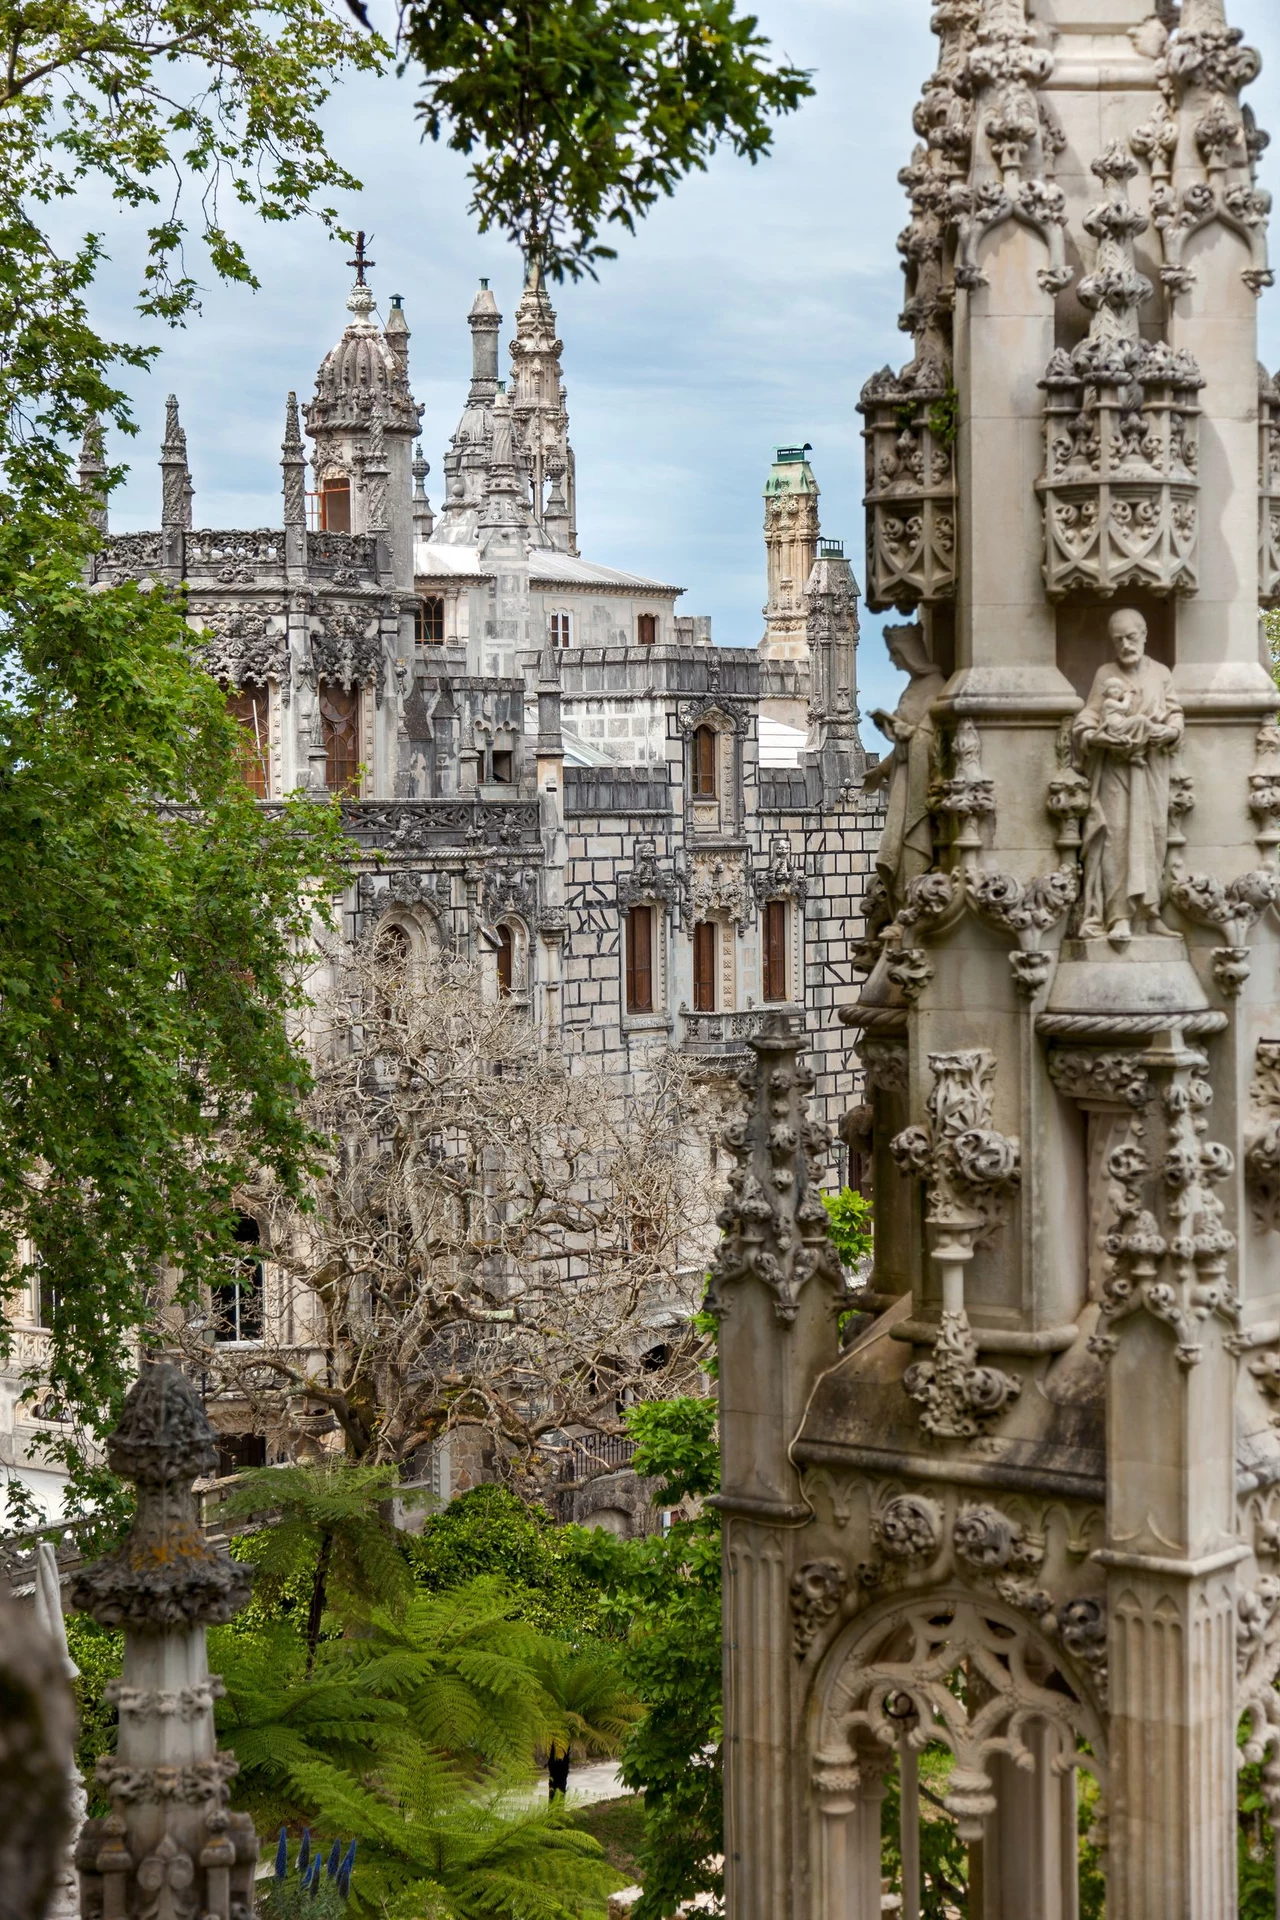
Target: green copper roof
791	472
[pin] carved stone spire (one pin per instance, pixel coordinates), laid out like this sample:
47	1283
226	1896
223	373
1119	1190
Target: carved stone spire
293	465
831	622
169	1830
538	408
92	475
175	476
423	519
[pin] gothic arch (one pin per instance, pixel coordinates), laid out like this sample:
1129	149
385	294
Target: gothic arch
952	1668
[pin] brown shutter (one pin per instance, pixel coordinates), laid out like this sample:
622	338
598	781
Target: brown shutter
506	962
704	764
640	960
775	950
704	967
251	708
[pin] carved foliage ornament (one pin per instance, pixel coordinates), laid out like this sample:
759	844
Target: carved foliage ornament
817	1591
1262	1138
970	1167
718	884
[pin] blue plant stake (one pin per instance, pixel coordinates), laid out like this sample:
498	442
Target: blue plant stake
282	1854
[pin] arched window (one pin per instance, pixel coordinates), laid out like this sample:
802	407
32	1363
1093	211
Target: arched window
250	709
340	731
774	929
335	506
506	962
704	763
238	1302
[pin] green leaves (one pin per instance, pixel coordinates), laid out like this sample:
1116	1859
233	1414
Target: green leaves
151	921
850	1214
584	113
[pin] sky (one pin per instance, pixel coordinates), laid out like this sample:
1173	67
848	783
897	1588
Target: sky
746	314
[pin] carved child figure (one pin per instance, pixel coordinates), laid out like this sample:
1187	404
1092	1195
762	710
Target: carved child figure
1124	738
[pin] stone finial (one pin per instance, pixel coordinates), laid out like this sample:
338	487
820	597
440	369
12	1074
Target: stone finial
37	1738
424	520
485	323
92	475
175	476
775	1226
293	464
165	1574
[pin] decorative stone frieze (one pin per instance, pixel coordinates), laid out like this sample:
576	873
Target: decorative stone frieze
718	883
347	648
246	644
1121	477
420	826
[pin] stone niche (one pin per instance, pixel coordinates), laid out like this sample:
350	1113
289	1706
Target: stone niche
911	493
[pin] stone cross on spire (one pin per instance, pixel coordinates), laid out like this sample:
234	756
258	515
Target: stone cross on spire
361	260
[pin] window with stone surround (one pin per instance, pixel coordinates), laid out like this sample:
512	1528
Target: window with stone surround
560	629
774	958
250	708
238	1303
506	962
705	747
335	506
340	731
704	966
428	620
640	960
647	629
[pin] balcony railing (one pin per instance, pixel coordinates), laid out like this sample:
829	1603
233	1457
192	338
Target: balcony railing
725	1035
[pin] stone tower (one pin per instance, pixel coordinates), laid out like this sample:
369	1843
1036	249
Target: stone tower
1026	1513
791	547
541	415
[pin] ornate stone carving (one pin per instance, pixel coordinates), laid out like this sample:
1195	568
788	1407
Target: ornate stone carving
989	1540
1257	1666
970	1168
783	876
906	851
37	1741
908	1527
1233	905
900	1674
718	884
648	882
885	1064
775	1227
738	713
510	890
424	826
234	556
1118	1079
396	886
129	556
817	1592
1262	1138
911	969
1166	1247
347	558
1264	791
1124	737
245	644
1121	478
956	1394
346	647
1268	490
165	1574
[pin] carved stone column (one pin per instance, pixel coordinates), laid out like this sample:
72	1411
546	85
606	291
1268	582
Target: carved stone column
777	1285
169	1846
1168	1310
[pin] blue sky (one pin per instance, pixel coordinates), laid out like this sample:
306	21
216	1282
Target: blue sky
747	313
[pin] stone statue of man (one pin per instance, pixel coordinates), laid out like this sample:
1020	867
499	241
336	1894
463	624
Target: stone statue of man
1124	739
906	845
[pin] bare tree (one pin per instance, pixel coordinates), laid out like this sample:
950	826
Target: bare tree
500	1237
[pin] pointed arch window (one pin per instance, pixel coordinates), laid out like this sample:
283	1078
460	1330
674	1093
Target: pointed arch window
340	731
506	962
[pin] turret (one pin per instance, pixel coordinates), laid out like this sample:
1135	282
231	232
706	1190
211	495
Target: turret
540	413
176	490
92	476
293	467
834	750
466	464
791	544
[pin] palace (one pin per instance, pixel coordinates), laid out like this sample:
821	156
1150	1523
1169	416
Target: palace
552	770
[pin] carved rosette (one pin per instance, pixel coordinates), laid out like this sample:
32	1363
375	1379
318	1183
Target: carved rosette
1122	452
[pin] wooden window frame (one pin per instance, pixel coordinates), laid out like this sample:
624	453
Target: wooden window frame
250	707
428	620
646	629
704	769
336	781
775	967
706	961
639	958
335	490
228	1299
506	961
560	629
